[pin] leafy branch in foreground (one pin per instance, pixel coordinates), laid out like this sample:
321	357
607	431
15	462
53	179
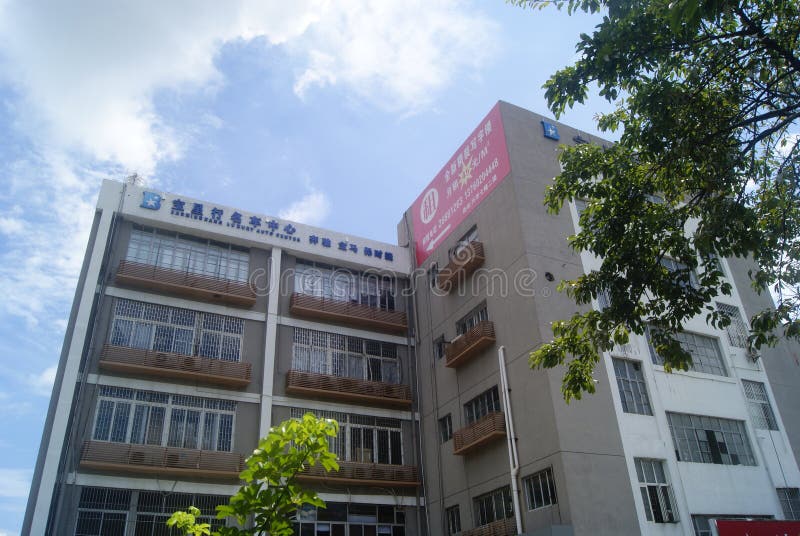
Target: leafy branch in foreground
270	496
707	96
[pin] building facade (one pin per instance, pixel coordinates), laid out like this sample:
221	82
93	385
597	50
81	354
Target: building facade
195	327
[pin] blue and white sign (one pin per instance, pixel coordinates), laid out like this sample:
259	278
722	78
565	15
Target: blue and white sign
151	200
550	131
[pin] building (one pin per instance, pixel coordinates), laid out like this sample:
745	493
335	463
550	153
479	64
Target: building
196	326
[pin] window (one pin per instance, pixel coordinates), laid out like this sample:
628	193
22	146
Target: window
703	439
453	516
446	428
580	206
363	438
737	330
150	418
705	352
338	519
482	405
433	275
343	356
758	404
471	320
604	299
102	511
632	387
155	507
439	347
167	249
790	502
540	489
339	284
161	328
493	506
681	272
702	522
659	504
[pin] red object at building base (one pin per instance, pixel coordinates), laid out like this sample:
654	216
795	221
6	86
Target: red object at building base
737	527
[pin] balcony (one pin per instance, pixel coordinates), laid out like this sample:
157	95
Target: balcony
464	262
503	527
345	312
470	344
175	366
348	389
365	474
479	433
161	461
197	286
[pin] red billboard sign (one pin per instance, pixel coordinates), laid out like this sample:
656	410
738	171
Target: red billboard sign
738	527
479	165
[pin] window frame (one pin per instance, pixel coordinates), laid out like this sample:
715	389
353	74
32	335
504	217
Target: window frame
692	446
471	319
484	404
699	362
453	520
486	506
655	487
640	407
790	502
546	482
759	405
334	283
445	428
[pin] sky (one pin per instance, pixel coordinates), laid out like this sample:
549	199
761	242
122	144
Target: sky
328	113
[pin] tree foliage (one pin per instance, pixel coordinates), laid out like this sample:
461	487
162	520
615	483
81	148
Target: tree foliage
707	100
270	496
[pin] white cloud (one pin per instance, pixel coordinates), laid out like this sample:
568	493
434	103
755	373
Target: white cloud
16	483
42	383
312	209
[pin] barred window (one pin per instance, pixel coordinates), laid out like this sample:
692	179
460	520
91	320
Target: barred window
151	418
493	506
683	275
485	403
540	489
759	406
703	439
362	438
632	387
446	428
439	347
167	249
162	328
737	330
340	355
340	284
705	352
790	502
453	516
102	511
659	503
355	519
154	508
472	319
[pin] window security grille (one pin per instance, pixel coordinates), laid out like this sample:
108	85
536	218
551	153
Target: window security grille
145	417
353	519
453	515
154	508
705	351
167	249
737	330
540	489
659	503
680	271
162	328
340	355
102	511
325	281
790	502
632	387
482	405
363	438
759	406
471	320
493	506
703	439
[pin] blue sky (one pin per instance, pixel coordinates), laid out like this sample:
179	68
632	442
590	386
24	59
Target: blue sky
331	113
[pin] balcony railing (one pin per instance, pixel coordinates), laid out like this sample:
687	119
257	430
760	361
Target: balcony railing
185	283
348	313
347	389
465	261
175	366
502	527
470	344
365	474
479	433
161	461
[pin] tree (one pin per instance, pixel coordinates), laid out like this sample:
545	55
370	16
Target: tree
707	100
270	495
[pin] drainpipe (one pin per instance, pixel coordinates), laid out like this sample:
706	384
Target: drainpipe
513	456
